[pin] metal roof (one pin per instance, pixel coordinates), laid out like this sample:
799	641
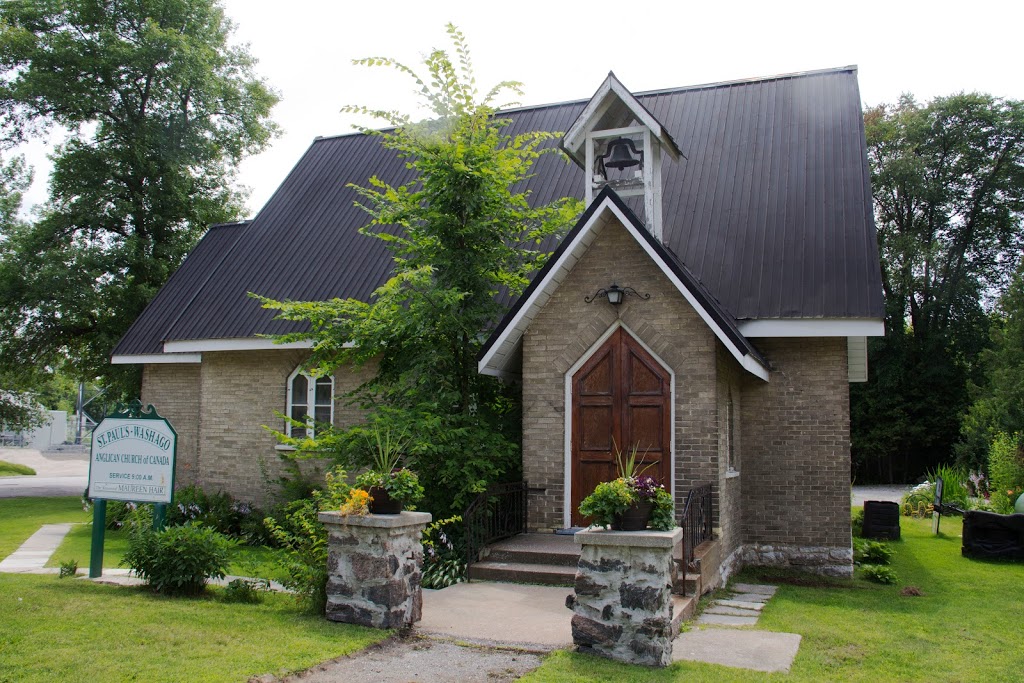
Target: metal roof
770	212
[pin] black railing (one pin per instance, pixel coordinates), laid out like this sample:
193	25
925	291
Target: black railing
696	521
497	513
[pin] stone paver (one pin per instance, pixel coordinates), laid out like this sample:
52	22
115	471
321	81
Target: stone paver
726	620
757	650
731	611
758	588
742	604
751	597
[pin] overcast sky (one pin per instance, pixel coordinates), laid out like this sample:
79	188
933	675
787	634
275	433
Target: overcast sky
563	50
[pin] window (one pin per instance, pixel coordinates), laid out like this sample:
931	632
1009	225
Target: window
310	400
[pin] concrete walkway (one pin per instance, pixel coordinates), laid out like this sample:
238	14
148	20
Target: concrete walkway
62	471
723	643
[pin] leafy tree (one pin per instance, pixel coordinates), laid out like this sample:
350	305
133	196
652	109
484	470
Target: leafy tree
461	234
159	110
998	407
948	181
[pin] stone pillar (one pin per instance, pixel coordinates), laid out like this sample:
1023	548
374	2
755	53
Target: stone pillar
374	565
623	600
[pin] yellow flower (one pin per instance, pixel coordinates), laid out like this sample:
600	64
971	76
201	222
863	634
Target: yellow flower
357	503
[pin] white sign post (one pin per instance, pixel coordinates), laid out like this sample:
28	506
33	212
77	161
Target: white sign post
131	459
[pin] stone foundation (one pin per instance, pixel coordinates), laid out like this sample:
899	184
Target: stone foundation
374	566
827	561
623	599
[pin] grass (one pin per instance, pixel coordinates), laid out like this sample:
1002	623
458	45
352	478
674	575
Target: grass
73	630
965	626
12	469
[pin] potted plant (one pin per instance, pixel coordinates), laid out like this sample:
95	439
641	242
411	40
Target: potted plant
631	501
389	486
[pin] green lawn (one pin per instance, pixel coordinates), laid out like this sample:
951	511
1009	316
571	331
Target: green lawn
966	626
73	630
11	469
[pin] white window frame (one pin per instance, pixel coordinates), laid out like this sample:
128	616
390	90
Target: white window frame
732	454
310	401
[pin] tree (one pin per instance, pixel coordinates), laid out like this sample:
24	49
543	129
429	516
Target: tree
998	406
460	234
159	110
948	181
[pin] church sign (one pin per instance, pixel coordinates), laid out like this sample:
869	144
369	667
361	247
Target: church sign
132	457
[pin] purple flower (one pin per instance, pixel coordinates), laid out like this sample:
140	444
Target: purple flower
646	487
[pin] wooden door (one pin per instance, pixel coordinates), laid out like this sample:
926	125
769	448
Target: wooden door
621	397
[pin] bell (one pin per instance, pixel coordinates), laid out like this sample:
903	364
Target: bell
619	154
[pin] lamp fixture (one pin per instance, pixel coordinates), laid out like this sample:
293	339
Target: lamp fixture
616	294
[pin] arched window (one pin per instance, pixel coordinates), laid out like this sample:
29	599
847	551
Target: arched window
311	401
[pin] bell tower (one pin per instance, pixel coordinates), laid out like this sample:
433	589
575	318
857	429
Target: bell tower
620	145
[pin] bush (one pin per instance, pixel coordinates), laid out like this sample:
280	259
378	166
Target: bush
219	511
178	560
444	553
878	573
871	552
245	590
118	513
857	522
1005	471
304	540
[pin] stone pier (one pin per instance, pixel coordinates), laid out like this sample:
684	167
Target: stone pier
374	566
623	600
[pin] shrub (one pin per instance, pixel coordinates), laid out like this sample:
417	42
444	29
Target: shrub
1005	471
857	522
245	590
871	552
956	485
878	573
304	540
68	568
444	553
118	513
180	559
219	511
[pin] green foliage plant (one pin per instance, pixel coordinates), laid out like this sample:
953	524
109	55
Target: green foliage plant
947	194
248	591
178	560
871	552
303	538
878	573
462	235
611	499
402	485
857	522
68	569
1006	471
444	553
159	108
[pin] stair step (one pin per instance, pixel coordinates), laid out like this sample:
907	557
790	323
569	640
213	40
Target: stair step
568	558
683	609
519	572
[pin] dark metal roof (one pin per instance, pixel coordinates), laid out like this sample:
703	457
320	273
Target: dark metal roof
770	211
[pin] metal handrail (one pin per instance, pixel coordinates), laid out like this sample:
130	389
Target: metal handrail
497	513
696	521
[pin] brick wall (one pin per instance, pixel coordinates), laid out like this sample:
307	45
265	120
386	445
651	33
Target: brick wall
173	389
567	327
796	457
222	405
730	491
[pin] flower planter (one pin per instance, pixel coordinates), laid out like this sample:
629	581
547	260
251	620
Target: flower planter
635	518
382	503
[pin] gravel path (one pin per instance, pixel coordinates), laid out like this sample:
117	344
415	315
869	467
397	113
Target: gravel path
892	493
416	658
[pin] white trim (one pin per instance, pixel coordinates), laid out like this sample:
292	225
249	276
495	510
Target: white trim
235	344
133	359
311	404
812	327
567	409
579	244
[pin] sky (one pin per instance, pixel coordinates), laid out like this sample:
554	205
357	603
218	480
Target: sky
563	51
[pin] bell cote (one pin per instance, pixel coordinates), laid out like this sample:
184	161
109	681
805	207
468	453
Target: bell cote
620	145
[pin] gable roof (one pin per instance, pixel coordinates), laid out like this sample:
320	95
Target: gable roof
770	211
501	351
613	106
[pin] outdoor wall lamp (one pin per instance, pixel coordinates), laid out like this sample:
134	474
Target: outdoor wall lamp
616	294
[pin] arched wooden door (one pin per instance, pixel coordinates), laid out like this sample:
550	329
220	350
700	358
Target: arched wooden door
621	397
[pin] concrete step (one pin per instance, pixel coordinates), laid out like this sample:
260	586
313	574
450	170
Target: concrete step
683	609
568	557
520	572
